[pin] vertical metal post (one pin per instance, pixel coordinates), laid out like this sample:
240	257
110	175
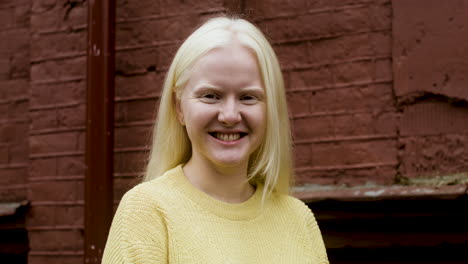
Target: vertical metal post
99	127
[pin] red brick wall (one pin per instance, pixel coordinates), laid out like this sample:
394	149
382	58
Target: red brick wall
57	130
431	85
14	99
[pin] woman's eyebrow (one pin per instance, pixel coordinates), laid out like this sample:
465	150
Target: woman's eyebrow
206	87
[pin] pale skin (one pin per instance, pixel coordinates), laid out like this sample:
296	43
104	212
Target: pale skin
223	109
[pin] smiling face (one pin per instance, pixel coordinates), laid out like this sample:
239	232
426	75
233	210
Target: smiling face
223	107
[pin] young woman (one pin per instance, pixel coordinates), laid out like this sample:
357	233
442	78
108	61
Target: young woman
216	184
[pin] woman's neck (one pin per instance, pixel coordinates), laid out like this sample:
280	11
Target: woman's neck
228	184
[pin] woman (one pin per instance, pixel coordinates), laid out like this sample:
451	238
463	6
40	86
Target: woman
216	184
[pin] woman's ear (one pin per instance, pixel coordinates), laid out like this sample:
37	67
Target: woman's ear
180	115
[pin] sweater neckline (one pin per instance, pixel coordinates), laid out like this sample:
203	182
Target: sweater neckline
248	209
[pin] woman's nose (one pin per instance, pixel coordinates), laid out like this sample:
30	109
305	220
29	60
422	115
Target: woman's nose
229	113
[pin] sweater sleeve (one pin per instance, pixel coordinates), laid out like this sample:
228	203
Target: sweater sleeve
138	232
316	238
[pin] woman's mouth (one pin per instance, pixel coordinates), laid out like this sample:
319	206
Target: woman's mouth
227	136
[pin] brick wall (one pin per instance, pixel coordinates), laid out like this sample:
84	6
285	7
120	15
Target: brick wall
14	100
57	130
336	59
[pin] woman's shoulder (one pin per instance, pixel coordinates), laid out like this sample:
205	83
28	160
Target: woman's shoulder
155	192
292	205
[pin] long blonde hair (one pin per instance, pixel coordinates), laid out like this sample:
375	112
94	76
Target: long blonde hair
271	164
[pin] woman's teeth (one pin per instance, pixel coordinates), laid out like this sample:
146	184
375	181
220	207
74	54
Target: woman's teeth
227	137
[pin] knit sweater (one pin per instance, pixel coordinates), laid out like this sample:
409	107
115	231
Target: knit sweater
168	220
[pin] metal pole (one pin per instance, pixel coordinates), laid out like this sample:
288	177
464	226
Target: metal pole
99	127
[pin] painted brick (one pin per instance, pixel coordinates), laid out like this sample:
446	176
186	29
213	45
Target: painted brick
141	110
374	97
4	68
129	162
352	46
81	142
22	14
438	31
47	20
140	136
136	9
44	119
122	185
39	6
72	116
70	166
139	85
80	190
59	142
383	70
3	155
292	54
13	132
362	177
17	110
18	153
299	27
43	167
313	127
353	153
12	176
13	88
177	28
120	112
321	51
18	41
136	32
41	215
61	16
365	124
131	61
343	3
350	20
53	45
69	215
311	78
184	6
54	191
380	16
316	177
302	155
37	259
381	43
353	72
55	240
299	103
59	69
7	18
57	93
13	195
429	156
433	118
164	56
272	8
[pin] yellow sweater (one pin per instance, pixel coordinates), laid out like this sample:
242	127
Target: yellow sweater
168	220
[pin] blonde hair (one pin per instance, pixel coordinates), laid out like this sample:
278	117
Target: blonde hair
271	163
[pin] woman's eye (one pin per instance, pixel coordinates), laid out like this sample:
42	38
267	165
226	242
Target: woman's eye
209	97
249	99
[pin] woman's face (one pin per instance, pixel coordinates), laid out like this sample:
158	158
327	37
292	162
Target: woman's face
223	107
